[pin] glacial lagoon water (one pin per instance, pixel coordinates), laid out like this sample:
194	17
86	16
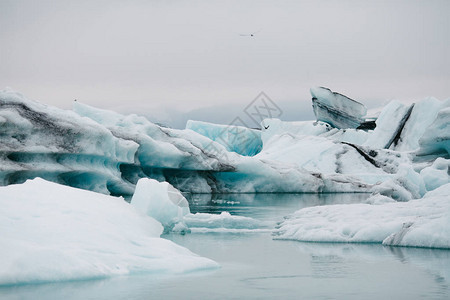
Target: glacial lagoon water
254	266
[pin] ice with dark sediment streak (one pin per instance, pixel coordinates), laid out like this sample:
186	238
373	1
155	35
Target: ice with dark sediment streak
390	125
59	145
107	152
336	109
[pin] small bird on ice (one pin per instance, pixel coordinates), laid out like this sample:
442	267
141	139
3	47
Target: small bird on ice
250	34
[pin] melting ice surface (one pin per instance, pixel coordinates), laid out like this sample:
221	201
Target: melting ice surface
254	266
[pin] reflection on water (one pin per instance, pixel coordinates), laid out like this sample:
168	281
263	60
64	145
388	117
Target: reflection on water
266	206
256	267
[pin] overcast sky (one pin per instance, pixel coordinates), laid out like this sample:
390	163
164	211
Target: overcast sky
142	56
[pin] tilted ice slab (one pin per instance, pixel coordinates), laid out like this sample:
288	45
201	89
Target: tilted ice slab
337	110
417	223
423	114
239	139
51	232
401	127
390	124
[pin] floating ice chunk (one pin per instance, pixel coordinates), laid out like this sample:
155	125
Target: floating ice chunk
51	232
418	223
436	140
437	174
239	139
161	201
428	228
224	222
337	110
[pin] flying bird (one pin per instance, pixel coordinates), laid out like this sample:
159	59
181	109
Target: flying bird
250	34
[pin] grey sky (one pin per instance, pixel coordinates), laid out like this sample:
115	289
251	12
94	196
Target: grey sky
143	55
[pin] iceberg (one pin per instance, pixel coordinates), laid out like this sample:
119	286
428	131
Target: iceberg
401	127
59	145
436	142
336	109
161	201
239	139
225	222
418	223
164	203
437	174
107	152
51	232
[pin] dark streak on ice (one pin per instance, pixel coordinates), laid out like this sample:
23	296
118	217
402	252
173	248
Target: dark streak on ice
400	127
365	155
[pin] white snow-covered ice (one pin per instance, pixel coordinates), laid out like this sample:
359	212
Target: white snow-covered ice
225	222
161	201
51	232
418	223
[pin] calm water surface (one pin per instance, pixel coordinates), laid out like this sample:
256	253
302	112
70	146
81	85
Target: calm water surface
256	267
